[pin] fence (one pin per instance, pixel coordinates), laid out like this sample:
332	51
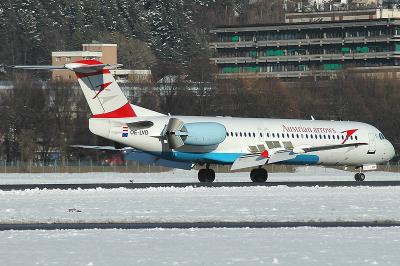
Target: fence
86	166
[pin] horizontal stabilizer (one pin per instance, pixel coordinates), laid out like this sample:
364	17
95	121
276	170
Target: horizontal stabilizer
80	68
39	67
73	66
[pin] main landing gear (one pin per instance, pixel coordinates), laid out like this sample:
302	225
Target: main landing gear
206	175
259	175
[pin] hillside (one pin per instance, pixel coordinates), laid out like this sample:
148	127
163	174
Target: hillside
31	29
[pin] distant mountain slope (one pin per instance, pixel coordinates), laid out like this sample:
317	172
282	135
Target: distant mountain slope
31	29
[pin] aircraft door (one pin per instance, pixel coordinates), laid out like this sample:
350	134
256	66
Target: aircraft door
372	143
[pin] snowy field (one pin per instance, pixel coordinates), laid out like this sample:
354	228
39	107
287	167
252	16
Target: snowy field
283	246
301	174
189	204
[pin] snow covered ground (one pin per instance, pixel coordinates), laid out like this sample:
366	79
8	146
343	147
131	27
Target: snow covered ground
302	174
282	246
190	204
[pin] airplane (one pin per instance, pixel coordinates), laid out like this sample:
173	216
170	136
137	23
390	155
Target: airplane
184	141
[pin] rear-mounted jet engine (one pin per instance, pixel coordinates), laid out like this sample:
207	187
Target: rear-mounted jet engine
193	134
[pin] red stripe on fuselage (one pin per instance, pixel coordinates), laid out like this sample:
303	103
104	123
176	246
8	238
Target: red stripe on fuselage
122	112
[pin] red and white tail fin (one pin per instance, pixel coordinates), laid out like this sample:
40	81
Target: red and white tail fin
104	96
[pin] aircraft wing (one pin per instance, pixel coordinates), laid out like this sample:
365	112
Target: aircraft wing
106	148
280	155
249	160
132	154
147	158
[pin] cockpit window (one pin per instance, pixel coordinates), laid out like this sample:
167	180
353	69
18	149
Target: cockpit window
381	136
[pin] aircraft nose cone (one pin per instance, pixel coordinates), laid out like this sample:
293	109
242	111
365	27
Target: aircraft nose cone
390	151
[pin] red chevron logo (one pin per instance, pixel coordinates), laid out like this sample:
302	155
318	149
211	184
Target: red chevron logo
349	133
265	154
102	88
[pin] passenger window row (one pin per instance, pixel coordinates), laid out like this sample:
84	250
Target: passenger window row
292	135
240	134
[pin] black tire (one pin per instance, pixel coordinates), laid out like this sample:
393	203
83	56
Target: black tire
259	175
361	177
356	176
253	175
202	175
210	176
206	175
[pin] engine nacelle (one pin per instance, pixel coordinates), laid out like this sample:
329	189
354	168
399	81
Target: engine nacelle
203	133
194	134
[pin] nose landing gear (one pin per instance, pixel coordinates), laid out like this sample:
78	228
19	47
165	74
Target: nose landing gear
259	175
359	176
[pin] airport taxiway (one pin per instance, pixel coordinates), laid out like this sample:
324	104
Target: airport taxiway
10	187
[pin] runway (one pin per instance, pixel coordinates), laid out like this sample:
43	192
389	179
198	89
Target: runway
188	225
198	185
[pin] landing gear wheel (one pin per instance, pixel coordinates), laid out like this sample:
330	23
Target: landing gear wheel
359	176
206	175
259	175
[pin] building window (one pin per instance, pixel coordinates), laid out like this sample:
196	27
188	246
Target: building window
68	59
58	59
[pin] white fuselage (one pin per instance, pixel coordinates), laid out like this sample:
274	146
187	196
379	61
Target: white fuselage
252	135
